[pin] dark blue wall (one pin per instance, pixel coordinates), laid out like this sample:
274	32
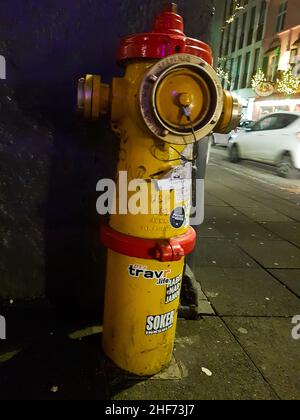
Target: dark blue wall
50	161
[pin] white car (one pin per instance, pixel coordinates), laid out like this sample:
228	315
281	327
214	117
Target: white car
274	139
223	139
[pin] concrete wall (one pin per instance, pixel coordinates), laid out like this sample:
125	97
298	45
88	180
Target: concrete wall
49	161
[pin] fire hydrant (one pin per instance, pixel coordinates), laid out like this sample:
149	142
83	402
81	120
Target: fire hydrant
169	99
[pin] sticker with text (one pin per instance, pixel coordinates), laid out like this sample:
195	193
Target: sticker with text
161	276
173	289
157	324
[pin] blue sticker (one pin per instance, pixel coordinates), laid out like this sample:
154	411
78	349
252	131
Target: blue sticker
177	217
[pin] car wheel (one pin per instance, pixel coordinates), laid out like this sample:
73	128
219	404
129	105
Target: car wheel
234	155
285	167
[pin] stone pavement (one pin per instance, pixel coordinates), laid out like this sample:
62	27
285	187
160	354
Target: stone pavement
248	264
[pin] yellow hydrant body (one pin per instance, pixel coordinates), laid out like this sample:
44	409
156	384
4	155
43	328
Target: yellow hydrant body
164	104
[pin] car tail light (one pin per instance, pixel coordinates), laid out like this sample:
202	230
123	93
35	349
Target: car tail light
298	136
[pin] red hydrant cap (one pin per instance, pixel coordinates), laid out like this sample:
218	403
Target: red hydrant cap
167	38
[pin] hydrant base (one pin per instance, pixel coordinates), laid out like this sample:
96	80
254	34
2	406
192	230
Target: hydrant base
140	315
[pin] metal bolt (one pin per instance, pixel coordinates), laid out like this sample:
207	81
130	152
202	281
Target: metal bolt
81	93
165	133
153	78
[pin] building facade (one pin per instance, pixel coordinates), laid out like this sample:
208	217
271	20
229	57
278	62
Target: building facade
257	34
281	47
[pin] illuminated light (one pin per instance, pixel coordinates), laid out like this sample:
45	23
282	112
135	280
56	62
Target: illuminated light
288	84
298	136
279	102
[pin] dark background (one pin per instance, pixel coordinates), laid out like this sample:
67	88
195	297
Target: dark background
50	161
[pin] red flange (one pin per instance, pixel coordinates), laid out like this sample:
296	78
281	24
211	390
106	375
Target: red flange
154	249
167	38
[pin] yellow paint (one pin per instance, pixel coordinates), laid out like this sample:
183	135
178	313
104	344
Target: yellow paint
135	305
129	301
181	88
142	157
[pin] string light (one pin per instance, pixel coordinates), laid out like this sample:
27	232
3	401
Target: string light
258	79
288	84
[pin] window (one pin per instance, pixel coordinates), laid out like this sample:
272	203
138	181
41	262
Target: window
251	26
273	67
284	120
228	31
221	43
255	64
225	12
242	37
266	64
261	21
229	69
238	71
232	73
235	39
231	8
274	122
281	16
265	124
294	59
246	70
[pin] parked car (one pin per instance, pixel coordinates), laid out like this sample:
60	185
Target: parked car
274	139
223	139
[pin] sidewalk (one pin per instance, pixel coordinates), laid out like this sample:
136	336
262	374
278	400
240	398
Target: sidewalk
248	266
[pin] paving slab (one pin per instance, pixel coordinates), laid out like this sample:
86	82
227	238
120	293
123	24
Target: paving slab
224	214
56	368
292	210
288	231
209	230
217	252
272	254
263	214
211	200
269	343
246	292
291	278
234	376
236	230
230	195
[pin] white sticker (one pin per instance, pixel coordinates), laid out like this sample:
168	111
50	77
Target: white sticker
174	178
157	324
183	191
173	289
